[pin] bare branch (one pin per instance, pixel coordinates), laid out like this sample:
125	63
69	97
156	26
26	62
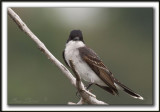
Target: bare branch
86	95
40	45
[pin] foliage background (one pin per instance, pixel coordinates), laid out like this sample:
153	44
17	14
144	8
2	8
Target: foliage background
122	37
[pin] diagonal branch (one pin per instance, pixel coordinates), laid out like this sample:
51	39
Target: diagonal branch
86	95
40	45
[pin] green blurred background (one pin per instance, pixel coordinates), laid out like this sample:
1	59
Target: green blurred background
122	37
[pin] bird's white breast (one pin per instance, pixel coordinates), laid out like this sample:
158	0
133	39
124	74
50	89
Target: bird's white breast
72	52
81	67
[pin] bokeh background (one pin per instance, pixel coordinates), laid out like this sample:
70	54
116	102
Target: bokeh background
122	37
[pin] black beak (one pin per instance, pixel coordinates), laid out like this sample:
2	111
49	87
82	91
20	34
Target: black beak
76	38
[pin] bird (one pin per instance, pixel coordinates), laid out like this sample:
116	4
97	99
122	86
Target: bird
90	67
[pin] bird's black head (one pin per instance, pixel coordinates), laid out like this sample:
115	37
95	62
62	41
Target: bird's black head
75	35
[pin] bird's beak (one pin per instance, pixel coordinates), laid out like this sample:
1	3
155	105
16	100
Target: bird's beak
76	38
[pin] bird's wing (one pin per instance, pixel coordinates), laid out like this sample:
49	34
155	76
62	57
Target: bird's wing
90	57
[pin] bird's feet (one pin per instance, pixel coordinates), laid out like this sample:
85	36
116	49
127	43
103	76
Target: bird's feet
86	91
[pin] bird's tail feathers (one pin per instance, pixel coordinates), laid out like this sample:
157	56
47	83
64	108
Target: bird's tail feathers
127	90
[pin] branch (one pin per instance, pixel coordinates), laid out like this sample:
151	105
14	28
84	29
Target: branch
86	95
40	45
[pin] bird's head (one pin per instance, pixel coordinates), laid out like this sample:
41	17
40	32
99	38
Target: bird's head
75	35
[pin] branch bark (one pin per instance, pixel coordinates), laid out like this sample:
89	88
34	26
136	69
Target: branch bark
86	95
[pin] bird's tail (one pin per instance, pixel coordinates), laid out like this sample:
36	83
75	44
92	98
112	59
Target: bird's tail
127	90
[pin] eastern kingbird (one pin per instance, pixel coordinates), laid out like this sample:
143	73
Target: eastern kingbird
90	67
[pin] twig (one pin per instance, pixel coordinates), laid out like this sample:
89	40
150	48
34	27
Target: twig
85	95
